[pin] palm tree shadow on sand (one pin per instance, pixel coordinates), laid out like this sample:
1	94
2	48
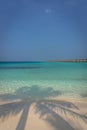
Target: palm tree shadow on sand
43	105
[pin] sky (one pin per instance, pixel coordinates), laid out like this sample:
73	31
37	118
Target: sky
39	30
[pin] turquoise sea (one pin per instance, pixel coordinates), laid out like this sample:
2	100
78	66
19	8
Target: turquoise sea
42	79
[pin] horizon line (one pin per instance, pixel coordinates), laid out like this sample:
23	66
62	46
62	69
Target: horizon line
60	60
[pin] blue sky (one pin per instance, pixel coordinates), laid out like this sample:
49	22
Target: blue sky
34	30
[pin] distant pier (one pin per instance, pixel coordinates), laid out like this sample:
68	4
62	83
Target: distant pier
69	60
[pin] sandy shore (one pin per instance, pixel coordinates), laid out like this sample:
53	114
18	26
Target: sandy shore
59	114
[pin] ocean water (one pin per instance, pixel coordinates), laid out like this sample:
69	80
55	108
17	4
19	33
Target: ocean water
42	79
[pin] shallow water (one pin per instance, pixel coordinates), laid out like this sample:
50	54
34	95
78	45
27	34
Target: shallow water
43	79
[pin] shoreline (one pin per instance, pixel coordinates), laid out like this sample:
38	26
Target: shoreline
56	98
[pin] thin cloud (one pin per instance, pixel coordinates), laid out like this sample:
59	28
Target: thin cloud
48	10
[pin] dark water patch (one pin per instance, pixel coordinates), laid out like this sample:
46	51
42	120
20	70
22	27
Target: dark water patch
30	67
19	62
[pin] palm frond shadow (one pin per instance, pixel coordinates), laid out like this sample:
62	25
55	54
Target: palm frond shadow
11	109
28	96
40	96
53	118
49	111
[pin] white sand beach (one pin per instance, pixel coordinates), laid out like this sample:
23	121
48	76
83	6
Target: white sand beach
44	115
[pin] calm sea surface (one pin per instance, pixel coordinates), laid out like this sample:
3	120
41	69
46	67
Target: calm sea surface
43	79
